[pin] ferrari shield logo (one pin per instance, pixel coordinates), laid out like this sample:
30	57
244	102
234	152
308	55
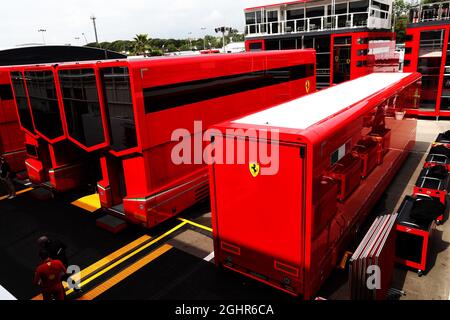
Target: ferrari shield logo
254	169
307	86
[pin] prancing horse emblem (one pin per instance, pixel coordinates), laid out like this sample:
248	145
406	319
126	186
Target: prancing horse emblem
254	169
307	86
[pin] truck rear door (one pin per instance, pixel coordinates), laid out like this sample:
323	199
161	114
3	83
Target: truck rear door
259	216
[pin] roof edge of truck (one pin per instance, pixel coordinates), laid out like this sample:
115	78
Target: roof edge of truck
308	133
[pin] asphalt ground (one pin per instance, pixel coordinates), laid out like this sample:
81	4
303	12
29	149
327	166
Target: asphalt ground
174	260
180	273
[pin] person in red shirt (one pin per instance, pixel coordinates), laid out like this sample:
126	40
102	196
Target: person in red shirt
49	276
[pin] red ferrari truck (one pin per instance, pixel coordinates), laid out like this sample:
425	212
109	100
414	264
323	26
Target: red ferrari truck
145	101
120	115
52	161
286	222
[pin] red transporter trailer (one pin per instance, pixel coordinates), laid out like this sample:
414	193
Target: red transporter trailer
288	229
12	140
146	100
52	160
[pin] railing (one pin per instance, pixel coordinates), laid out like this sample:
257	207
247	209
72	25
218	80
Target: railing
431	44
430	12
331	22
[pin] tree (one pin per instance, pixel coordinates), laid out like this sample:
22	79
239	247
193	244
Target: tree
141	44
400	9
212	42
235	36
400	29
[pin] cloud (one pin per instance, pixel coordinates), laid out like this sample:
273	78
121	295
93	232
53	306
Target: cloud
215	17
116	19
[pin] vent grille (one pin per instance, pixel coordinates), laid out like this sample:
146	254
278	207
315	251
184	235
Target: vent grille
230	248
286	268
202	192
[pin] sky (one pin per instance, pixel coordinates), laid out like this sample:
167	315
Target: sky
66	20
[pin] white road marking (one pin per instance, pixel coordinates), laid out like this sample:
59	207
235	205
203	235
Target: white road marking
209	257
5	295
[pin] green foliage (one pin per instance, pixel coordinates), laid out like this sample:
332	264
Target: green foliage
143	45
401	8
400	28
235	36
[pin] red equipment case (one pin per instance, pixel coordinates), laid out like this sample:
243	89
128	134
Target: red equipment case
347	172
438	155
368	150
444	139
383	138
270	227
436	187
413	238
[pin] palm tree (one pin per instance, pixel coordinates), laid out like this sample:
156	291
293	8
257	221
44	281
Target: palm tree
141	44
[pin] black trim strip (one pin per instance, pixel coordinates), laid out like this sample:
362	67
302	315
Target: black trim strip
175	95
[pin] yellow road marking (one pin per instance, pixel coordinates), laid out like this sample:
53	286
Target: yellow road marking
17	193
108	284
113	256
113	265
196	224
105	270
106	260
89	203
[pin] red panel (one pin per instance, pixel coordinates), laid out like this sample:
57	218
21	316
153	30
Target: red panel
411	63
36	171
68	177
11	138
250	42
